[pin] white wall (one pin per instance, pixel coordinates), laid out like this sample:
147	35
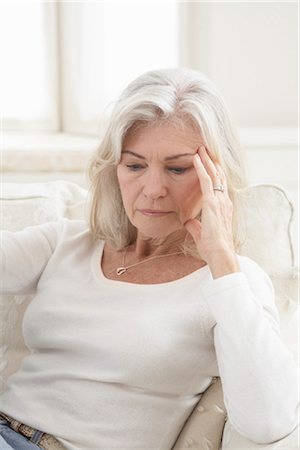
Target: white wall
250	50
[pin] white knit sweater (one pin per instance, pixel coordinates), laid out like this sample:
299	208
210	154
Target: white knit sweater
117	365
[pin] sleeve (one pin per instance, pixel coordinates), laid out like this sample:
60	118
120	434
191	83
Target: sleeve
24	255
258	373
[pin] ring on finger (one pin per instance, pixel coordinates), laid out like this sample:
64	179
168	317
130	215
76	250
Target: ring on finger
219	187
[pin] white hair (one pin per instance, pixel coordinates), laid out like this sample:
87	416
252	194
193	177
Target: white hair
178	95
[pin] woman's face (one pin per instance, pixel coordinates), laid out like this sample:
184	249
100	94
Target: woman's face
159	185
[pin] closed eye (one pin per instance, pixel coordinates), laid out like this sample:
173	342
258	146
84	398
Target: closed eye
174	170
178	170
134	167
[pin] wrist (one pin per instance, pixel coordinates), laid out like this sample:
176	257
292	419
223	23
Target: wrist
223	263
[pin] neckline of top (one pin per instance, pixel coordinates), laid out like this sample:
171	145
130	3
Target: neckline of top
100	277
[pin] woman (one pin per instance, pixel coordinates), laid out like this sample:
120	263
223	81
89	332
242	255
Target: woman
136	311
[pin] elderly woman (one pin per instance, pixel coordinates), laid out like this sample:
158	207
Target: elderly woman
137	309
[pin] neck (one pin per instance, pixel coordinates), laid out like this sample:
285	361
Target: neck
148	246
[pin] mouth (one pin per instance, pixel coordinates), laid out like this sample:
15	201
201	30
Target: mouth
154	212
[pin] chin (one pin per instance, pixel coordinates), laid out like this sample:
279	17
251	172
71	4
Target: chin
158	232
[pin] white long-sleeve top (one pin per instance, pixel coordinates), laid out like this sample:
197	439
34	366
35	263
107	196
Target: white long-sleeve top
117	365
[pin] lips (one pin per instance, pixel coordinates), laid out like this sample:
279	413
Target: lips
154	212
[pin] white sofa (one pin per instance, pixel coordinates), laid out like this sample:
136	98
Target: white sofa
267	241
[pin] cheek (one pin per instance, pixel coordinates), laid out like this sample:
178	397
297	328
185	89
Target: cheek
127	186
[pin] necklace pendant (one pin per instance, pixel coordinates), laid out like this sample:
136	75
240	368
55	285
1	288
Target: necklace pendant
121	270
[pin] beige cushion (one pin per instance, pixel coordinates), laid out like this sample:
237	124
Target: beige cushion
204	428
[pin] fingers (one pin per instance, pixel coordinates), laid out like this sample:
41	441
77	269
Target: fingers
209	172
222	176
209	164
204	178
193	226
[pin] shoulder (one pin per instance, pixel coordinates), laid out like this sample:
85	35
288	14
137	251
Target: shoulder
74	229
74	225
61	231
259	282
253	271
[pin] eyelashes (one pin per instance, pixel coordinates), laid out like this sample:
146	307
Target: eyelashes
177	170
134	167
174	170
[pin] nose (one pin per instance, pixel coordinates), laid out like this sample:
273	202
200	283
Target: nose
154	185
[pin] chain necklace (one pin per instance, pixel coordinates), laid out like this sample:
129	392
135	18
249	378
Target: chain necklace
123	268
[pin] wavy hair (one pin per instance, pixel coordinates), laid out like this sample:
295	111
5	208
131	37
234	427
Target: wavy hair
179	95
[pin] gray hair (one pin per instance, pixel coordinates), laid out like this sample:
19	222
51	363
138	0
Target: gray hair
178	95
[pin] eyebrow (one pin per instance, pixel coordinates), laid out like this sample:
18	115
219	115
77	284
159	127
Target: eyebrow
168	158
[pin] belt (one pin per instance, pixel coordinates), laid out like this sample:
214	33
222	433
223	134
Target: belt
44	440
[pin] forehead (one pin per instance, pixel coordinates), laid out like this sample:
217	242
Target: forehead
163	137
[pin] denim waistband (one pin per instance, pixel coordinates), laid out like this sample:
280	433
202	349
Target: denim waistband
36	437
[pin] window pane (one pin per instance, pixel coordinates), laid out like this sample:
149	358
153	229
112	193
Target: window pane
26	66
116	41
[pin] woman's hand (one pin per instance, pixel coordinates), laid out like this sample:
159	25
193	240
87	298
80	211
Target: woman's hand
213	235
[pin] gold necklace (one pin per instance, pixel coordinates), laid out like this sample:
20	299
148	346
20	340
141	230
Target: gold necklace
123	268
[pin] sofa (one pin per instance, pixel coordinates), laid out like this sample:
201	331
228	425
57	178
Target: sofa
267	240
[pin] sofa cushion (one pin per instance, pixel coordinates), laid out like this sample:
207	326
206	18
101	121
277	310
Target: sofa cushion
24	204
267	229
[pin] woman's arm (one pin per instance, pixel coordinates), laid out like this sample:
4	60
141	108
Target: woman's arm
259	375
24	255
